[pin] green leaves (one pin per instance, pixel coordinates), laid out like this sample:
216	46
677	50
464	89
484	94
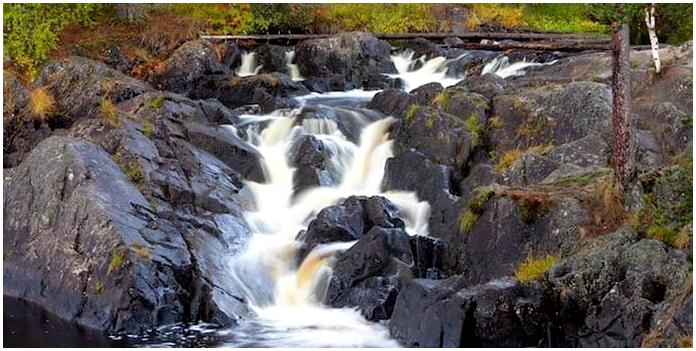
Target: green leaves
31	30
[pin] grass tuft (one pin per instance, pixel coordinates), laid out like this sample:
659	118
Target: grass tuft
148	129
156	103
41	104
108	113
475	129
533	269
117	259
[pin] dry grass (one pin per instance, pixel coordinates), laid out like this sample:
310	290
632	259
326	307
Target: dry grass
507	159
42	105
108	113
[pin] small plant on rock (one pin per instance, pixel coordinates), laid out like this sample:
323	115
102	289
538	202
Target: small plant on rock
148	129
108	113
130	167
156	103
475	207
475	129
116	262
41	104
534	268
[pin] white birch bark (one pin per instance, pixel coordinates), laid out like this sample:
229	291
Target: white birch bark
650	23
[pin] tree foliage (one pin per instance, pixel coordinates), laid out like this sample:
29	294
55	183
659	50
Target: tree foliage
31	30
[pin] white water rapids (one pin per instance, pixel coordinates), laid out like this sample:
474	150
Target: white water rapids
287	299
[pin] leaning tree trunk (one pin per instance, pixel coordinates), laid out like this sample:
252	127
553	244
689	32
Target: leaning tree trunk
621	89
650	23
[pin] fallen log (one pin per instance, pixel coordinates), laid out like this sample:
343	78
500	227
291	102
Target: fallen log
573	46
401	36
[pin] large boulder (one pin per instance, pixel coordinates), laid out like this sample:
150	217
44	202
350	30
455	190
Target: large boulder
551	114
371	273
187	65
618	291
79	85
81	241
230	149
348	221
347	59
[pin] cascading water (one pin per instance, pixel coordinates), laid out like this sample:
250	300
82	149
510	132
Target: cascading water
285	298
248	66
433	70
292	68
502	67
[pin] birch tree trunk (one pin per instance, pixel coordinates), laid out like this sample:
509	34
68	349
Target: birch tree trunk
650	23
621	91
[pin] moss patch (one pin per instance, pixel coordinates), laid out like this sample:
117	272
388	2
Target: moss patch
148	129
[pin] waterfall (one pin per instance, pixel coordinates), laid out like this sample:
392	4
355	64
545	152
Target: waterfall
292	68
285	298
433	70
502	67
248	66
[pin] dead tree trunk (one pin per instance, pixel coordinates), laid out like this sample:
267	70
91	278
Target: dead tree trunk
621	89
650	23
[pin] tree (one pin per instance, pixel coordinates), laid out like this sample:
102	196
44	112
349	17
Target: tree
621	91
650	23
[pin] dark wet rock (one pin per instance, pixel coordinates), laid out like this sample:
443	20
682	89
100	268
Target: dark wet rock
226	146
351	56
392	102
123	267
188	65
312	161
410	170
608	294
371	273
551	114
423	47
502	231
270	91
500	313
272	58
468	63
488	85
349	221
465	105
438	135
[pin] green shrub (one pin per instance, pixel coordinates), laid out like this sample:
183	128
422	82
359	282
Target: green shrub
31	30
